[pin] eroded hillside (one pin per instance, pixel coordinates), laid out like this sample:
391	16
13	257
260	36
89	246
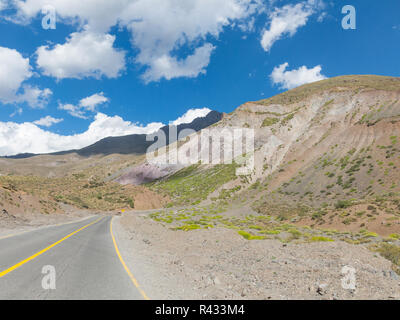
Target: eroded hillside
45	184
326	155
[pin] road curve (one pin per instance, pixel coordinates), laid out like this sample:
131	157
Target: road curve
85	258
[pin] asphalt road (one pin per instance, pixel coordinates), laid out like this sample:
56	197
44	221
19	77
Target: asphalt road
86	261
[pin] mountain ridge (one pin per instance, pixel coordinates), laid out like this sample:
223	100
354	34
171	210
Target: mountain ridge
129	144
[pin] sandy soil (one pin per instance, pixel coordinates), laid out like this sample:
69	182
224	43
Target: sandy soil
13	223
219	264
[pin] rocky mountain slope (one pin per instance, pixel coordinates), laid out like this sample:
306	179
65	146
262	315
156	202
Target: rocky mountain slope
326	154
329	140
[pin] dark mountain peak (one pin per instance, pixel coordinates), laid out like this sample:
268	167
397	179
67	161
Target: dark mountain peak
137	144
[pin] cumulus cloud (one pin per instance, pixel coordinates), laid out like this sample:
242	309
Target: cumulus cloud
47	121
27	137
73	110
159	29
85	54
34	97
286	21
190	115
179	24
169	67
90	103
85	105
99	15
14	71
290	79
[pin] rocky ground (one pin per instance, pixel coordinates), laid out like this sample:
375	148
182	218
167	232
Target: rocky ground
219	264
11	223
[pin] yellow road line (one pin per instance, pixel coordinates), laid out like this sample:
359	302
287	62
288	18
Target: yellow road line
43	227
2	274
135	282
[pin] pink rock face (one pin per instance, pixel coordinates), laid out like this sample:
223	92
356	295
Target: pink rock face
144	173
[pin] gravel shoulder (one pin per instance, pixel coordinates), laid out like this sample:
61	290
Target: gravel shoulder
219	264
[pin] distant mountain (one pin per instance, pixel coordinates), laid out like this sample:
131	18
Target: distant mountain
135	143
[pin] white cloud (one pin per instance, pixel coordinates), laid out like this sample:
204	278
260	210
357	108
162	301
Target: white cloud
85	105
34	97
159	28
85	54
14	70
90	103
3	4
100	15
286	21
296	77
27	137
73	110
169	67
190	115
47	121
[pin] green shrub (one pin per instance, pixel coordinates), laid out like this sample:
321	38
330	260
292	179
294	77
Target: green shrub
269	122
395	236
392	253
189	227
249	236
343	204
270	232
320	239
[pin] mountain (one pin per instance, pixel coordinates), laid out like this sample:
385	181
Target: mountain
326	153
137	144
326	166
132	144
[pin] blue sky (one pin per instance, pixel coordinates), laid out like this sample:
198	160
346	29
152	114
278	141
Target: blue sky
150	61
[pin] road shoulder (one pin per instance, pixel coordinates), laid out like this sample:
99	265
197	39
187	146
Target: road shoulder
219	264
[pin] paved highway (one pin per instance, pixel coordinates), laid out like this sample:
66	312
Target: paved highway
82	257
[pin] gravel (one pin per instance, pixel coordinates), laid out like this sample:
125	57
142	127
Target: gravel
219	264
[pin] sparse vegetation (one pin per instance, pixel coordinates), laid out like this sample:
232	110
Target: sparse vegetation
350	82
390	252
75	190
193	184
343	204
269	122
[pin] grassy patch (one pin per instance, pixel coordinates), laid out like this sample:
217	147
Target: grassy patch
188	227
193	184
269	122
320	239
249	236
390	252
395	236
